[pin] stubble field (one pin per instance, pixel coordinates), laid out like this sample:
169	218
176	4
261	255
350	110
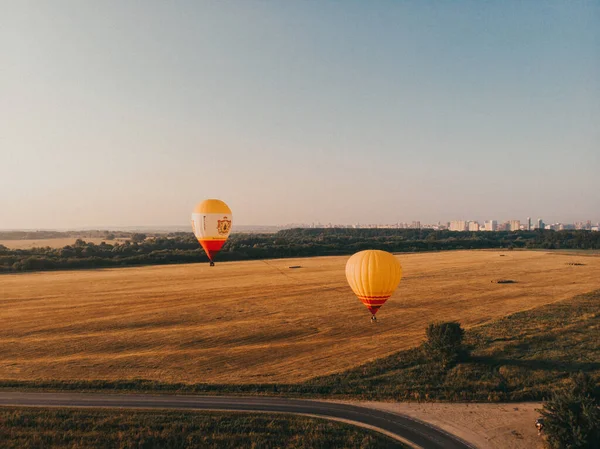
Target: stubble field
259	321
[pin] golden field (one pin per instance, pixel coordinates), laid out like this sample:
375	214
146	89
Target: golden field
259	321
54	243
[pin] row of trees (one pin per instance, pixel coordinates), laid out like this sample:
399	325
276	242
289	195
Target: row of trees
183	247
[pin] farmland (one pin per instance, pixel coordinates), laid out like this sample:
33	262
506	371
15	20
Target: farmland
259	321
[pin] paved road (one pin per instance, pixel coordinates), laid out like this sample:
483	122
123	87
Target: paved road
406	429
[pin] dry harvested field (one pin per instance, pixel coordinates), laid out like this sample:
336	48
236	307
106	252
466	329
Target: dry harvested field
256	321
53	243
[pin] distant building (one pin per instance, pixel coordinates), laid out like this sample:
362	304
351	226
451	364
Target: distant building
491	225
529	223
416	225
514	225
540	224
473	226
460	225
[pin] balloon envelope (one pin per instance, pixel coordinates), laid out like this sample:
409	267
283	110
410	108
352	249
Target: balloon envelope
211	222
373	276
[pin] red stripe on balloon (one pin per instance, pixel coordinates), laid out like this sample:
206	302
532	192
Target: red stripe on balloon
212	247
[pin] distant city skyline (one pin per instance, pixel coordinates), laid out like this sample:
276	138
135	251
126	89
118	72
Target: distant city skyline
466	225
452	225
120	114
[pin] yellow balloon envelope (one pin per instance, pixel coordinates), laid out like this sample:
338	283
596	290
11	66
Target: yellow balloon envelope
373	276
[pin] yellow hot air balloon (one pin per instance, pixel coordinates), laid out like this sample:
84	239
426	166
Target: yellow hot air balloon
373	276
211	222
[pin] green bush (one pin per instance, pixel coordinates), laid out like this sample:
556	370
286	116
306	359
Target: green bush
444	341
572	417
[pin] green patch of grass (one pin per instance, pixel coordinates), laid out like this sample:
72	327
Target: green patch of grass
79	428
524	356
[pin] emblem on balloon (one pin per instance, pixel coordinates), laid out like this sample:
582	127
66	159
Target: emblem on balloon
223	226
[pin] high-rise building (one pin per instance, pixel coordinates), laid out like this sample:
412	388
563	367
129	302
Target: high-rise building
514	225
540	224
529	223
473	226
491	225
460	225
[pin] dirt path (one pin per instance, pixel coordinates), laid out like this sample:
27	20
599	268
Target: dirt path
487	426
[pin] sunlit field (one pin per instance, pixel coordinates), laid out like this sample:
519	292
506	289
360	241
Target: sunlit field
259	321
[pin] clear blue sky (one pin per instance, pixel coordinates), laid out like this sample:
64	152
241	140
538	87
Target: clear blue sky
128	113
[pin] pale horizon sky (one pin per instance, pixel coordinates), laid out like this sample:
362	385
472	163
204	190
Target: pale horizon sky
129	113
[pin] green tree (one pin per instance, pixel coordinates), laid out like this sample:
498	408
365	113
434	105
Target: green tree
572	417
444	341
137	237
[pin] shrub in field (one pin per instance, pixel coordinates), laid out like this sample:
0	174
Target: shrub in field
444	341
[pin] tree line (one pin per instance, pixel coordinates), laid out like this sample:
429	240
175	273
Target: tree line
183	247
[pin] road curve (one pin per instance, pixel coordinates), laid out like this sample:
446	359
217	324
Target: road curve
400	427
